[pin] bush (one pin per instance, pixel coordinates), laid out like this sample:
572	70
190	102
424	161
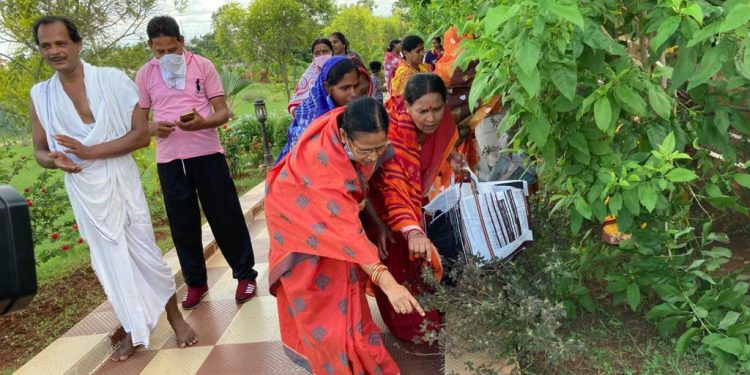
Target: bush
512	310
243	144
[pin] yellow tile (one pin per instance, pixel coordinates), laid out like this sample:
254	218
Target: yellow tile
255	329
62	355
161	333
217	260
257	307
223	289
178	361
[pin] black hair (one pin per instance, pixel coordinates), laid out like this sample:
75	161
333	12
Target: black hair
321	41
343	39
46	20
162	26
364	115
438	39
422	84
339	70
375	66
392	44
411	42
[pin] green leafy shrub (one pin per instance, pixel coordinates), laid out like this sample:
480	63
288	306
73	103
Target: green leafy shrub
243	143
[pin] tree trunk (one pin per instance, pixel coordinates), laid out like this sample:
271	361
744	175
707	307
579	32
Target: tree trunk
284	75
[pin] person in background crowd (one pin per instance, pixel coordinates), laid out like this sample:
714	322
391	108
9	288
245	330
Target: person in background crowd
336	86
413	52
341	48
434	54
377	80
321	50
320	258
390	62
86	122
185	94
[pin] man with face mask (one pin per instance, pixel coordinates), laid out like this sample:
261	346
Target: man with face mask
86	122
187	99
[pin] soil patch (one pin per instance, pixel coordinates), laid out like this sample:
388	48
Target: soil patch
58	306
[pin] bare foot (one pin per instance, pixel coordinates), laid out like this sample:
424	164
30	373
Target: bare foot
124	350
184	332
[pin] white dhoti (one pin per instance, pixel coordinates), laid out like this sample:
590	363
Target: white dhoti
107	198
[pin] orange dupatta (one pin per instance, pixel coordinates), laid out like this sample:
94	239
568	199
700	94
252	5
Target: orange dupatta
312	202
317	244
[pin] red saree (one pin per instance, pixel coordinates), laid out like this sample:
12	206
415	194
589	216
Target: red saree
398	195
317	244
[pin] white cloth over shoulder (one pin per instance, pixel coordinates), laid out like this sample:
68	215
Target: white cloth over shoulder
107	198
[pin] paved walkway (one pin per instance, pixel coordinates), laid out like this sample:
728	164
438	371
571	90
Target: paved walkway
233	339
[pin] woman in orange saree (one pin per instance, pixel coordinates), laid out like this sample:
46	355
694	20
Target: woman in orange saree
412	48
423	135
320	258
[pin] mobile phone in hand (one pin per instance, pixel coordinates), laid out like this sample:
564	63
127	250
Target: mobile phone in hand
187	116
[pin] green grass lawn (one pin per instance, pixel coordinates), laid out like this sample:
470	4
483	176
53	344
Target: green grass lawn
271	93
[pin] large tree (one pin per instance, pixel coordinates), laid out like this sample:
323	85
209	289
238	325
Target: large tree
268	31
367	33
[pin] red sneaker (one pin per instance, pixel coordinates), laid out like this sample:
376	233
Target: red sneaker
246	290
194	296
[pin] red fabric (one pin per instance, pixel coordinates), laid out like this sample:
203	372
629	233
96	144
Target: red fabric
317	245
398	197
408	176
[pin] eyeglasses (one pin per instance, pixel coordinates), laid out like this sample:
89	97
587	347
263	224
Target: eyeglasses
377	151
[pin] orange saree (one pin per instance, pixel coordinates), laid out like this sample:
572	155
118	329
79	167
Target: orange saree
312	209
399	192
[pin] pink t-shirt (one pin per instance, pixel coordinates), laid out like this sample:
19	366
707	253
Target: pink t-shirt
202	83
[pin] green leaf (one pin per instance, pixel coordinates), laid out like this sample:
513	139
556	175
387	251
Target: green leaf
729	319
568	12
578	141
743	179
566	80
603	113
665	30
498	15
528	56
694	10
660	102
667	145
704	34
630	100
737	17
746	58
575	221
630	199
647	195
710	65
530	83
634	296
681	175
615	203
539	129
684	67
662	311
583	207
730	345
684	340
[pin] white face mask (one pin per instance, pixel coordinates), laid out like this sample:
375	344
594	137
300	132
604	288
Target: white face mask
172	63
319	61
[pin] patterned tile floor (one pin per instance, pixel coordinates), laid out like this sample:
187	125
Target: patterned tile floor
235	339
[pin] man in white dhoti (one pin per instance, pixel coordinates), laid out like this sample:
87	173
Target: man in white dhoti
86	122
